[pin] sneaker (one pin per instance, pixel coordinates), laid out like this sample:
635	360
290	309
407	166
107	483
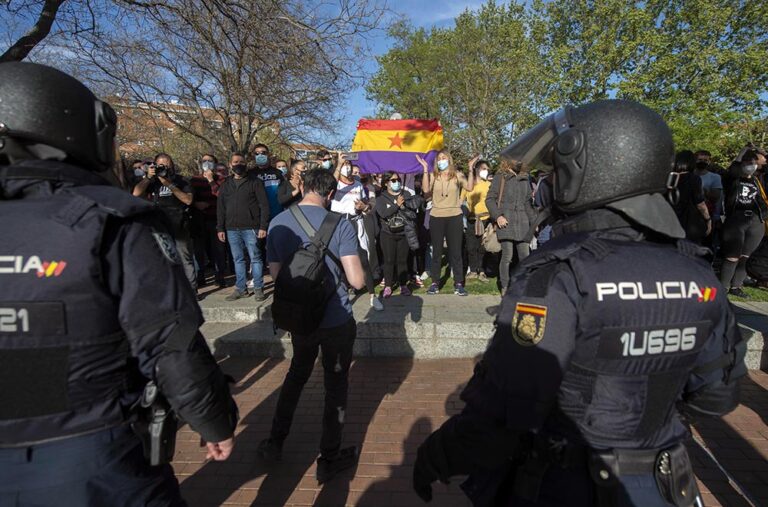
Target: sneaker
424	276
327	468
249	284
459	290
376	304
433	289
482	277
383	283
270	449
236	294
387	292
220	283
417	281
258	294
471	276
405	291
738	292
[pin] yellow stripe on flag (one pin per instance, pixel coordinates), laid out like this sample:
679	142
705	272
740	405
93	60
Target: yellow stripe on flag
419	141
536	310
51	268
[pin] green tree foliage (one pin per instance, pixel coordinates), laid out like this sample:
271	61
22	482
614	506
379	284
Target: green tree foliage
703	64
479	77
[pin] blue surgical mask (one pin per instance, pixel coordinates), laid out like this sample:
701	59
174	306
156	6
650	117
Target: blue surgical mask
395	186
442	165
326	164
261	159
283	170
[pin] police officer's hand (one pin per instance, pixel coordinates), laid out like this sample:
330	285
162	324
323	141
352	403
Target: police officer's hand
220	451
262	234
222	236
502	222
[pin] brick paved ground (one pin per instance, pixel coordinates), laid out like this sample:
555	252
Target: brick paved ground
393	405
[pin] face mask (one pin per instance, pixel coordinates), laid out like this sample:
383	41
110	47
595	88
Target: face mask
483	174
261	159
283	170
442	165
346	171
139	173
239	169
749	170
326	164
208	165
702	164
395	186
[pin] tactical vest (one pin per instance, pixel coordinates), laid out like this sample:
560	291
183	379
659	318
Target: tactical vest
63	355
646	311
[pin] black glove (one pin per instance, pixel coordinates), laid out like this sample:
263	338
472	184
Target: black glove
431	465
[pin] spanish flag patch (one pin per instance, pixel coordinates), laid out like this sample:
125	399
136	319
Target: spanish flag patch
528	324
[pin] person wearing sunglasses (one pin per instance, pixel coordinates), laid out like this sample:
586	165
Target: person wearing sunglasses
392	216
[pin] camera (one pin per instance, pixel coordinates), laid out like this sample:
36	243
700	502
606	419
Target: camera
161	171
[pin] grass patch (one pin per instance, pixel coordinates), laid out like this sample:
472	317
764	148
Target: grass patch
755	294
474	287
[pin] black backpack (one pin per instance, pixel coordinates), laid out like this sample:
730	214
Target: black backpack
303	286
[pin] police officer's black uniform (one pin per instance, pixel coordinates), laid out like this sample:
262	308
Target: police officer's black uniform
93	302
602	332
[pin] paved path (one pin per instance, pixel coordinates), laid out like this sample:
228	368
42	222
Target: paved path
393	405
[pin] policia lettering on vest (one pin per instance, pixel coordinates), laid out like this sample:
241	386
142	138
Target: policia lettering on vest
603	335
99	333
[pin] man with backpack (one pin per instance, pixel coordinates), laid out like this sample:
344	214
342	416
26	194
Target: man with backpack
312	257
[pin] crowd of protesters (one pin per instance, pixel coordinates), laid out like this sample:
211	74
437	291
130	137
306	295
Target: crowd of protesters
466	223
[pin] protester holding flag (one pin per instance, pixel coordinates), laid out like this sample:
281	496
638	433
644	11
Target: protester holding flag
444	186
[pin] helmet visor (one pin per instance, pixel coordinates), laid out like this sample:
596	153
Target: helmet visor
534	147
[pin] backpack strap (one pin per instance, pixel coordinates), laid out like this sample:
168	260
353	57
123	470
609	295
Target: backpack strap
321	237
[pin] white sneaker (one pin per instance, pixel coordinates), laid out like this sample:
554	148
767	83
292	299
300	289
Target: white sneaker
376	304
424	276
249	284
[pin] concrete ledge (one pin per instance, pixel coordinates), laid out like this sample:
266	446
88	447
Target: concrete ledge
429	327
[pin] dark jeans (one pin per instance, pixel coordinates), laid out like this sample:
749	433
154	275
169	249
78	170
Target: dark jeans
475	250
336	344
395	250
741	236
101	469
451	229
508	249
209	248
185	247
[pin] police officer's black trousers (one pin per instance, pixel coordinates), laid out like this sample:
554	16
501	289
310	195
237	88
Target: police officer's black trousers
336	344
103	469
742	235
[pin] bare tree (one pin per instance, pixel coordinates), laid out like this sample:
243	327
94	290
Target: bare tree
232	73
39	31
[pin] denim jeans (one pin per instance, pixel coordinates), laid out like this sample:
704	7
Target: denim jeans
336	344
238	241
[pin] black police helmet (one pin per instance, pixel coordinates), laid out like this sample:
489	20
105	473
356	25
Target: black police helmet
601	152
40	105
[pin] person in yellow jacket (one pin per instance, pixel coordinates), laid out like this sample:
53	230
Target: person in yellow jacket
478	219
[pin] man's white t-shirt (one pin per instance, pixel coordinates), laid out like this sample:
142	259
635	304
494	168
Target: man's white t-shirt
346	196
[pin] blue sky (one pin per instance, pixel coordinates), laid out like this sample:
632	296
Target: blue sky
421	13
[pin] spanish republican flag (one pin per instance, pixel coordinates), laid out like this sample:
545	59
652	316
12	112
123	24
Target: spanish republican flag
392	145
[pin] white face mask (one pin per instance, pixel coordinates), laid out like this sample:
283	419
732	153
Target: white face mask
346	171
208	165
749	170
442	165
483	174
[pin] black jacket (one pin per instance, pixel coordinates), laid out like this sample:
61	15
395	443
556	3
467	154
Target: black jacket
386	208
242	206
731	189
285	194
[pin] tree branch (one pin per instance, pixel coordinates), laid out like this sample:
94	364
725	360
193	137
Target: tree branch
18	51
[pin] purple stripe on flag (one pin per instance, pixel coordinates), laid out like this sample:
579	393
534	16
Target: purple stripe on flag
402	162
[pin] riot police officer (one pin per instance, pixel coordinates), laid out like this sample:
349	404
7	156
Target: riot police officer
93	304
601	333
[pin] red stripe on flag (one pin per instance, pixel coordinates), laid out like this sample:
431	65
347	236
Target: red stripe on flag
398	125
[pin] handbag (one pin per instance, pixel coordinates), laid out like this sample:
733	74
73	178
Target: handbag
490	239
396	223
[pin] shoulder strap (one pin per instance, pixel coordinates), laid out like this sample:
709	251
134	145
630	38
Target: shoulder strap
321	237
501	191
